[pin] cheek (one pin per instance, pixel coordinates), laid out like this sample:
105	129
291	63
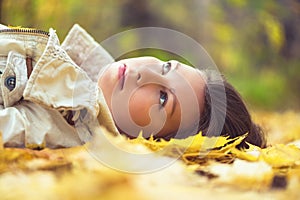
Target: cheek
106	84
146	113
139	105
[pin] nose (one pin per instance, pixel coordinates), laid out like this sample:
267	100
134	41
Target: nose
146	75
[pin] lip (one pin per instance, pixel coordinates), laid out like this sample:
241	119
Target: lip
121	74
122	70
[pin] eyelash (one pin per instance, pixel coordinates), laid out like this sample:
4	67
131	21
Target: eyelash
163	98
166	68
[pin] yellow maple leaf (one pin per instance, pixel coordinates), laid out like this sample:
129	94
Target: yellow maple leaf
1	142
250	154
281	155
193	146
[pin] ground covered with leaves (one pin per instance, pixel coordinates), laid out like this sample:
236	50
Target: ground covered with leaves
197	167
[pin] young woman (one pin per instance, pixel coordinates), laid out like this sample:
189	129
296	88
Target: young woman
170	99
49	95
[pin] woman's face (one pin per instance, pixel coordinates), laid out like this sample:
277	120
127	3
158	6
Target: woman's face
153	96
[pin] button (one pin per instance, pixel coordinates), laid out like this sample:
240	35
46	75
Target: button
10	83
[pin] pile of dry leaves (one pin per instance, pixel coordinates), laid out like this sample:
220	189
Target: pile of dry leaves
192	168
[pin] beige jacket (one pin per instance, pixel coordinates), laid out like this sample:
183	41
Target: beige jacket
47	98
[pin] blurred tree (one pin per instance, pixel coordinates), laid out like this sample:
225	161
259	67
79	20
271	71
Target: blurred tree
136	13
0	10
256	44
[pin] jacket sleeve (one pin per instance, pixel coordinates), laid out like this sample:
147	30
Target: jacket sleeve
57	82
33	126
56	87
24	123
12	127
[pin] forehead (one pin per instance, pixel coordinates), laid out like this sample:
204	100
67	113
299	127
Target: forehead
193	89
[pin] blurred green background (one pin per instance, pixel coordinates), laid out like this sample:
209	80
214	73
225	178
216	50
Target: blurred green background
255	44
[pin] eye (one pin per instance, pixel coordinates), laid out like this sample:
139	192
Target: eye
163	98
166	68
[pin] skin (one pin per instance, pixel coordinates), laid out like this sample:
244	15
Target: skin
157	97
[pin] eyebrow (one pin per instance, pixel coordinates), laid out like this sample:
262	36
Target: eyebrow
172	91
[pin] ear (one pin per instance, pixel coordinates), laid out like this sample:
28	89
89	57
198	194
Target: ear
86	52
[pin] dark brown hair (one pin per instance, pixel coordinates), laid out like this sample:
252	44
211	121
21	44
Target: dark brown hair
225	113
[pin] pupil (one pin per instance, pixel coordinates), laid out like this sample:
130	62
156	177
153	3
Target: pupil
163	98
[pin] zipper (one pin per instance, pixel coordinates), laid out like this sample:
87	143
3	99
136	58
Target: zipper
25	30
